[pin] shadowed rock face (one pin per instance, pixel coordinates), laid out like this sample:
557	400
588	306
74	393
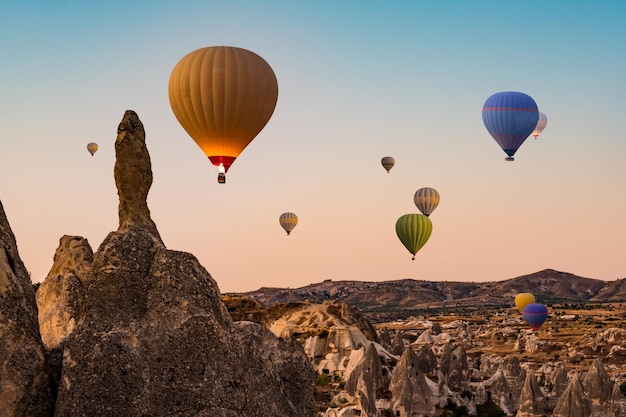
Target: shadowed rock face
411	394
532	402
24	384
150	335
574	402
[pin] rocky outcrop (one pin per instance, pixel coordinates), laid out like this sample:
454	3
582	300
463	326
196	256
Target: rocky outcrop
574	402
144	331
532	402
501	392
597	383
411	394
25	389
364	378
454	362
605	400
426	359
60	296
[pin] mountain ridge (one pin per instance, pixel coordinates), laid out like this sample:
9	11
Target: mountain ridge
404	297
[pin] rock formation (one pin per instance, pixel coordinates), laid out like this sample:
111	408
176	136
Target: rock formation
60	296
411	394
364	378
25	389
574	402
501	393
532	402
143	329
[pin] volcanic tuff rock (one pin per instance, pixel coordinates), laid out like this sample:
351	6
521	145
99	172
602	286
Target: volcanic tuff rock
574	402
532	402
143	330
25	389
411	394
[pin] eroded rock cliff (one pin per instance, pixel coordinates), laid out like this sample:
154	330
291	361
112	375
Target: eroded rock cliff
143	330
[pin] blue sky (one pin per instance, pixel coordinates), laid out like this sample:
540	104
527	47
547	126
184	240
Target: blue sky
358	80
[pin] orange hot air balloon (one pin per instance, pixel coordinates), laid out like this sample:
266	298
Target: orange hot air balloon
223	96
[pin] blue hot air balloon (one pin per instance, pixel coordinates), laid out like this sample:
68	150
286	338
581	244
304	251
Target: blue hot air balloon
535	314
510	117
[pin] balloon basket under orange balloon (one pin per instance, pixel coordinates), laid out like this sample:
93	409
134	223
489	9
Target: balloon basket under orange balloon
221	178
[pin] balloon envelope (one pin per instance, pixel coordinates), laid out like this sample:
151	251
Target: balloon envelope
426	200
510	117
541	124
222	96
288	221
535	315
523	299
388	162
414	230
92	148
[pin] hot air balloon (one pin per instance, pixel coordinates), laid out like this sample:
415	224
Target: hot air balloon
92	148
288	221
541	124
388	162
523	299
222	96
426	199
510	117
535	315
414	230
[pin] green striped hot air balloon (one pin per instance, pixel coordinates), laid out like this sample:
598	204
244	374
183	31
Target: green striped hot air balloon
414	230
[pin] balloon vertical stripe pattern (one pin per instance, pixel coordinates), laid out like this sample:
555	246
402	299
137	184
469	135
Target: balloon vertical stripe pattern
414	230
426	200
92	148
223	97
288	221
510	117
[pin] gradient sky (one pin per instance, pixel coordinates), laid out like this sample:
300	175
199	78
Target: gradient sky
358	80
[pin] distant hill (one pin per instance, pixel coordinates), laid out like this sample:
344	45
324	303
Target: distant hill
401	298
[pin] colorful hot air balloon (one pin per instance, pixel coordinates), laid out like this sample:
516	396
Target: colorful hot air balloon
92	148
426	199
414	230
541	124
510	117
388	162
523	299
222	96
535	315
288	221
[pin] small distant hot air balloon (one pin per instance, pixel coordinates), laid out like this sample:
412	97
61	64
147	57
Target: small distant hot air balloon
388	162
523	299
541	124
414	230
223	97
510	117
535	315
426	199
92	148
288	221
